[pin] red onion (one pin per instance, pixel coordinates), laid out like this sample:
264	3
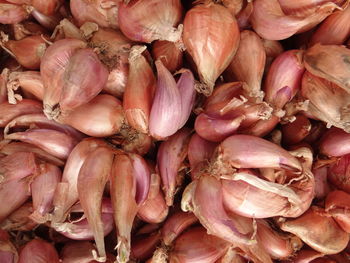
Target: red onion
38	251
212	53
149	20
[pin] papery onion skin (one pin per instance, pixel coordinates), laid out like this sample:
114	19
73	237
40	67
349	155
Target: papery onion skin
139	90
213	53
318	230
67	191
248	63
337	205
170	54
334	30
102	116
196	245
11	14
320	59
52	68
270	22
38	251
9	111
28	51
149	20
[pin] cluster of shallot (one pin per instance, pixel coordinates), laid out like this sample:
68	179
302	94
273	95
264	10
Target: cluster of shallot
212	131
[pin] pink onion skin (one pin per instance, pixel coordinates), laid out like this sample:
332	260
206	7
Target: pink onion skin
271	22
47	7
92	179
170	54
154	209
52	69
335	142
15	192
170	156
139	90
338	173
212	53
82	231
142	247
82	84
280	86
322	187
38	251
337	205
123	192
10	111
199	152
196	245
28	51
67	191
17	166
8	252
12	14
42	155
54	142
19	220
102	116
245	151
172	104
149	20
175	225
29	82
43	189
334	30
105	15
48	22
39	120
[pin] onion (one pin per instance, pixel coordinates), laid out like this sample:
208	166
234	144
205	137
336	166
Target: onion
318	231
100	117
170	157
334	30
67	192
129	190
196	245
245	67
104	13
337	206
29	82
142	247
149	20
324	66
43	189
19	220
169	53
139	90
11	14
271	21
8	252
335	143
175	225
294	132
93	176
38	251
9	111
212	53
172	102
27	51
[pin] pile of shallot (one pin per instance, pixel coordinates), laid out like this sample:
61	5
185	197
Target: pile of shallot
207	131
